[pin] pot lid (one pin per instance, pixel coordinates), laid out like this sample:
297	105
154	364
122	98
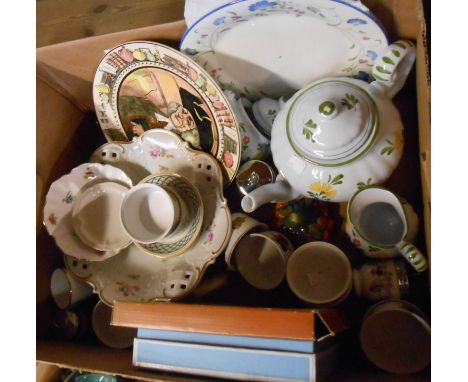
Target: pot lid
332	123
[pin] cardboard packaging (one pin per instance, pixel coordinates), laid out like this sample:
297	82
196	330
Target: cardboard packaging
67	134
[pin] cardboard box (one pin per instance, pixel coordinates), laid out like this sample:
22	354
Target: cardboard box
67	134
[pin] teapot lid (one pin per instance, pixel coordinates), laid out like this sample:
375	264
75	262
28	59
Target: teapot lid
332	123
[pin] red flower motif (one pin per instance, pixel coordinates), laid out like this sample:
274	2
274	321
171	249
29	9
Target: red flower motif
52	219
356	242
228	159
246	140
236	17
100	253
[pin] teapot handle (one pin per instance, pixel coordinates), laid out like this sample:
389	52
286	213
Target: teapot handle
391	68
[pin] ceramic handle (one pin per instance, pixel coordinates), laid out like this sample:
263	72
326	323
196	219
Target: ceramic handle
392	67
413	255
357	4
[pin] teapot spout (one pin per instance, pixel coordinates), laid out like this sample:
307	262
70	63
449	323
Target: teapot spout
278	192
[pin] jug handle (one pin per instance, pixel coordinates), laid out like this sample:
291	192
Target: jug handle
391	68
413	255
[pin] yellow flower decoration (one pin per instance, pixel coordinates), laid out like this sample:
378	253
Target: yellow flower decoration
399	140
323	189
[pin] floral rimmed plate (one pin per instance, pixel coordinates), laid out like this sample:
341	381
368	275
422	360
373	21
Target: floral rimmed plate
139	86
194	203
59	205
270	48
135	275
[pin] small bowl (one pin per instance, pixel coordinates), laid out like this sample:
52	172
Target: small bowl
242	224
261	258
115	337
320	274
96	216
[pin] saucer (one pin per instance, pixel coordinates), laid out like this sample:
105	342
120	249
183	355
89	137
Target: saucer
188	193
241	46
140	86
134	275
59	205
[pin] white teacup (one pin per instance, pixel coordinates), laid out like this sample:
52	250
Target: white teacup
151	213
67	290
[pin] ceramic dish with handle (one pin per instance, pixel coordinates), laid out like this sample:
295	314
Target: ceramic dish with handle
140	86
59	206
242	47
150	278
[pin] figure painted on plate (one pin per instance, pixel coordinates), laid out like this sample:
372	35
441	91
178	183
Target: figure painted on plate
151	97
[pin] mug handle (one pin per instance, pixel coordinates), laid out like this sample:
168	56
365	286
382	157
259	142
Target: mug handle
413	255
392	67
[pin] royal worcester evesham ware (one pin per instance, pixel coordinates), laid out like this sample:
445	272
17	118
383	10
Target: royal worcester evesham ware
338	135
383	225
319	273
242	224
95	216
261	258
115	337
254	174
139	86
268	48
66	290
380	280
396	337
59	207
136	275
255	145
164	214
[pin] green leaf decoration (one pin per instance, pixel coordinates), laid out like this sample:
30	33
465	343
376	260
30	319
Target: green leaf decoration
350	101
396	53
352	46
377	77
242	126
388	60
400	44
352	59
311	124
337	179
246	90
382	70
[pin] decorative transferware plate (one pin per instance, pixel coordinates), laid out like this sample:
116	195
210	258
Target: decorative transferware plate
269	48
59	204
135	275
141	86
194	202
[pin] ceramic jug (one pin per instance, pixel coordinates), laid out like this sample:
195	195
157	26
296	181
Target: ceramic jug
338	134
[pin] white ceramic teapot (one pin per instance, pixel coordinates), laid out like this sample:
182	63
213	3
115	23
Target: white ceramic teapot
338	134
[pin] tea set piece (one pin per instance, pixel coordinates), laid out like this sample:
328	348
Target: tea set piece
383	225
254	144
319	273
58	210
261	258
380	280
115	337
242	224
96	216
337	135
66	290
163	214
265	111
241	46
254	174
136	275
141	85
396	337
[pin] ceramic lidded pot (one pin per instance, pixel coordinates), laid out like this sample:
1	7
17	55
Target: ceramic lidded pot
338	134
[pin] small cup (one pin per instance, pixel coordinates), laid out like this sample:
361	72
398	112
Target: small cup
261	258
396	337
67	290
95	216
115	337
320	274
242	224
150	213
381	280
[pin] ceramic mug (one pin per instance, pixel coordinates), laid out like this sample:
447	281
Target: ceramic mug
66	290
151	213
320	274
396	337
383	225
242	224
115	337
381	280
95	216
261	258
